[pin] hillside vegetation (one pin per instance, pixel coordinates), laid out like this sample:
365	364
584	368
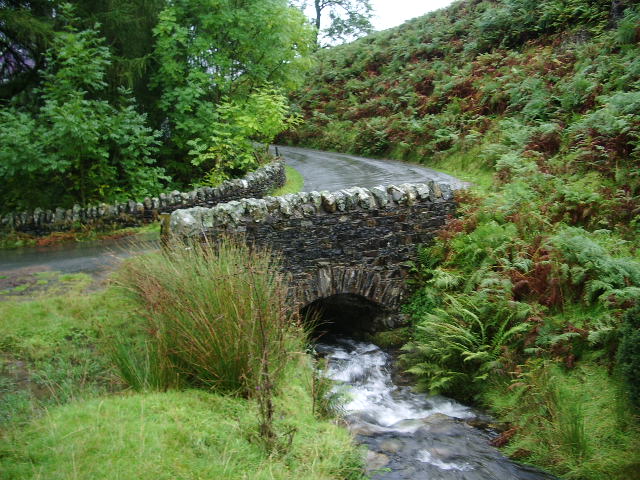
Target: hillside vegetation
528	302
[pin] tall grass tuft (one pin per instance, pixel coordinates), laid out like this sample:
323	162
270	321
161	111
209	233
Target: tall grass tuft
570	423
216	319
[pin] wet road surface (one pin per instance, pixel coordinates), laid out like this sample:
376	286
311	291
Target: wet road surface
93	257
321	171
335	171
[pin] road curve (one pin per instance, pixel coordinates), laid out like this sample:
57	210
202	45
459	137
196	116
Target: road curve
321	171
335	171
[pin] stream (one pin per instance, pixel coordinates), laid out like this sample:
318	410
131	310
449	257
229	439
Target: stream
412	436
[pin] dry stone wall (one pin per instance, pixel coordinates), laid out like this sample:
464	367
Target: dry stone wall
353	241
256	184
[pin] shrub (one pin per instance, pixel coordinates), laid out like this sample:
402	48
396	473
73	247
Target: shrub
629	353
458	346
77	146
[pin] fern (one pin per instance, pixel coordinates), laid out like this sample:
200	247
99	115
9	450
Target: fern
458	345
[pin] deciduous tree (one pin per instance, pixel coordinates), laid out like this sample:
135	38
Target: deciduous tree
348	19
210	50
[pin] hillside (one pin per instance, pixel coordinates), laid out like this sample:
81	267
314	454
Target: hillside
567	72
528	303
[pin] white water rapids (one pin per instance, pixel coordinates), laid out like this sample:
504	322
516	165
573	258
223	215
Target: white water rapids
411	436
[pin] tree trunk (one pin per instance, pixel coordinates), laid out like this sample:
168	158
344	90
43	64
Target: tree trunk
318	7
318	12
617	11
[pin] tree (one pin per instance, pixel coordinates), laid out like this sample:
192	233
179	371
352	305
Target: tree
230	148
76	146
127	26
348	19
26	30
210	51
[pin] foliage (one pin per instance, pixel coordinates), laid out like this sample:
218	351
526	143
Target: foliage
533	282
216	316
629	353
77	147
230	149
70	138
348	19
259	43
62	405
574	422
457	346
25	34
27	29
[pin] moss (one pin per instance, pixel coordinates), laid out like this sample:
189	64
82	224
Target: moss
391	339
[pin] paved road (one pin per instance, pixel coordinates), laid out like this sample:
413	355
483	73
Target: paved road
321	171
94	257
334	171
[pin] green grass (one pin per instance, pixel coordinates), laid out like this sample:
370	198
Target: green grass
66	413
51	350
467	166
294	183
219	316
188	434
575	423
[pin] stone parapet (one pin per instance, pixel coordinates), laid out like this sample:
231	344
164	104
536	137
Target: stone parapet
131	213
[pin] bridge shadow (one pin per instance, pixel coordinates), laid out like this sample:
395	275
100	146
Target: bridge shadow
344	314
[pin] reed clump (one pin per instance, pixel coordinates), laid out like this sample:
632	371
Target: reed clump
215	318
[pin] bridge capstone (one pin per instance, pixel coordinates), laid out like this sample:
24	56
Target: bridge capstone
356	241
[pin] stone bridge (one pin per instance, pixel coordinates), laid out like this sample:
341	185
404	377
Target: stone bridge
348	252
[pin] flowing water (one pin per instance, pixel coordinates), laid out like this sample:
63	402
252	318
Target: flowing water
410	435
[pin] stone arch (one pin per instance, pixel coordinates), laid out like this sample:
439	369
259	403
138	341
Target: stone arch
345	313
372	296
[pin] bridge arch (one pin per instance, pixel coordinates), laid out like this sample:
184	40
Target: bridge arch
345	313
352	298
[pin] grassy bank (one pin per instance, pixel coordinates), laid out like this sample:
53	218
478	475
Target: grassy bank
528	302
525	307
69	408
294	184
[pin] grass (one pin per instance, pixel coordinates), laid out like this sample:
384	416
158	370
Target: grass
187	434
218	315
294	183
572	422
465	165
40	284
51	350
66	413
12	240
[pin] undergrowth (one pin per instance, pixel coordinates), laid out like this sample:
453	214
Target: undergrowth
529	308
244	407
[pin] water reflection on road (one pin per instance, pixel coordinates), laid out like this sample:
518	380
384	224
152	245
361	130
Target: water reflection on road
92	257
